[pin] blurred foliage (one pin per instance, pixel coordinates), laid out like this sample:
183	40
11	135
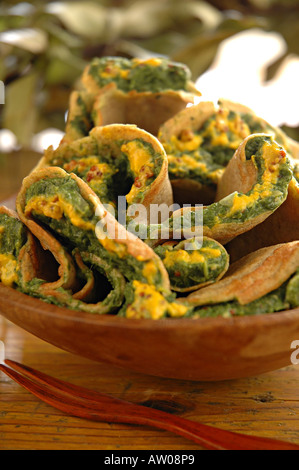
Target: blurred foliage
45	46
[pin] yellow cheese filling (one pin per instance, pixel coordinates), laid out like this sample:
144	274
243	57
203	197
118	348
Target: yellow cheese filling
150	271
138	156
173	257
149	303
218	130
141	165
55	207
112	71
8	270
113	247
152	62
211	252
190	145
272	159
191	163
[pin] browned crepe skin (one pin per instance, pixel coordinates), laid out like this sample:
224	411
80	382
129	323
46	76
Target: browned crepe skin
38	263
282	226
160	191
191	118
240	176
145	109
67	289
66	271
252	277
115	231
73	132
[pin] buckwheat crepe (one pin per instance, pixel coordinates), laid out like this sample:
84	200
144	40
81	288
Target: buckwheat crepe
117	160
281	227
253	277
254	185
193	263
68	207
118	90
201	140
41	267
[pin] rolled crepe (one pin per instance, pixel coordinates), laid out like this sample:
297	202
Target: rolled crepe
254	185
281	227
79	121
118	90
201	140
18	256
193	263
117	160
40	266
262	282
66	206
30	259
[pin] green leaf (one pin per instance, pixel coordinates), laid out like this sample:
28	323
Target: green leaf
20	110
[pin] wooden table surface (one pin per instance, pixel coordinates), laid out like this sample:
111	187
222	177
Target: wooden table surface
266	405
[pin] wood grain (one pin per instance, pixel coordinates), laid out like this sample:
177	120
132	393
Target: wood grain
267	405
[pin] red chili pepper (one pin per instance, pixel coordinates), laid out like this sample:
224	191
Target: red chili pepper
283	153
137	183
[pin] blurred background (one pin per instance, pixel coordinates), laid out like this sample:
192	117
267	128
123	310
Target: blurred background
247	51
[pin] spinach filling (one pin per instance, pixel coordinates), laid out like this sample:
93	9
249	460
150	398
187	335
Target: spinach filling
237	207
12	238
144	301
198	166
82	121
143	304
153	75
109	174
217	140
12	235
193	265
283	298
78	230
108	289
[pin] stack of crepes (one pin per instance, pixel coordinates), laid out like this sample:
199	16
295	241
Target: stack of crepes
83	234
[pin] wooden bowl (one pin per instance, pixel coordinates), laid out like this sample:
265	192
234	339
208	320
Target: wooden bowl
203	349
